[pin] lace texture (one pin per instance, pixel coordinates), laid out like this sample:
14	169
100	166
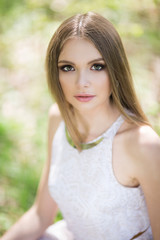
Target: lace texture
93	203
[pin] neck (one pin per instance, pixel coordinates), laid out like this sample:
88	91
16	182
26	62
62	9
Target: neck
93	123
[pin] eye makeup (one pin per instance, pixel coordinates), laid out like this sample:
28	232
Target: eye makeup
98	66
66	68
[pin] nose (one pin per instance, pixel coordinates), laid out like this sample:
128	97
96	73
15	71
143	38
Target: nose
83	79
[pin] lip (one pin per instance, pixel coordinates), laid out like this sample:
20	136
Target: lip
84	97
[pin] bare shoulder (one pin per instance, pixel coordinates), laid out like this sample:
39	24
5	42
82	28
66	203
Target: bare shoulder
139	151
54	120
143	142
54	111
143	146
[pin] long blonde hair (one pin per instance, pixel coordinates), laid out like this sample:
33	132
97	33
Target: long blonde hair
103	35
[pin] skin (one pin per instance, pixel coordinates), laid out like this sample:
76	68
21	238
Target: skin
136	149
82	70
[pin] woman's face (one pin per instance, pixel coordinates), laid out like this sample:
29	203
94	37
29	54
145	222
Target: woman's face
83	75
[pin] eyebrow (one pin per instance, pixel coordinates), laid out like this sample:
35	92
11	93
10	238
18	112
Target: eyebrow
92	61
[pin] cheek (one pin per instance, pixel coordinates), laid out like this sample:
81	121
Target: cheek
104	83
63	81
67	81
64	78
64	87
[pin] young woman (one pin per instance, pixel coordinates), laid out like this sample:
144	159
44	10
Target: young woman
103	161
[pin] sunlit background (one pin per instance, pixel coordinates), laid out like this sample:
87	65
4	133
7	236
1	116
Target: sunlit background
26	27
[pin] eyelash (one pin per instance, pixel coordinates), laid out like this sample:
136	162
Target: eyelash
102	66
66	66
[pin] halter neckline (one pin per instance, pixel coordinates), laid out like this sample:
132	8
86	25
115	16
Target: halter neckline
97	140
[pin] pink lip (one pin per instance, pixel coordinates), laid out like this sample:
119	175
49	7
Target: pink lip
84	97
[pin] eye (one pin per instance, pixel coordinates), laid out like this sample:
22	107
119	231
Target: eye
67	68
98	67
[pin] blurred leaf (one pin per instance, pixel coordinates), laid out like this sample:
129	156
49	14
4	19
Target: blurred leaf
26	27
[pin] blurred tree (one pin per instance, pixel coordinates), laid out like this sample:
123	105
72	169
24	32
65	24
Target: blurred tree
26	27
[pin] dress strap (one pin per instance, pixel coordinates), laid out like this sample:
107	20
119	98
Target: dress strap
111	132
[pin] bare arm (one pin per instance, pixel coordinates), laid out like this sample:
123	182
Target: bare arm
34	222
147	158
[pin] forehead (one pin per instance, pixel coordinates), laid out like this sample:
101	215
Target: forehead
79	49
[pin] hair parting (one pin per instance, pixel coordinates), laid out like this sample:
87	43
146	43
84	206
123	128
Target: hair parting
98	30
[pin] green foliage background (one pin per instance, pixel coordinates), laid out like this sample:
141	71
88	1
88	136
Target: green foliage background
26	27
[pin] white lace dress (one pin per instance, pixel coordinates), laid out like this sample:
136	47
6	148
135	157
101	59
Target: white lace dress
95	206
